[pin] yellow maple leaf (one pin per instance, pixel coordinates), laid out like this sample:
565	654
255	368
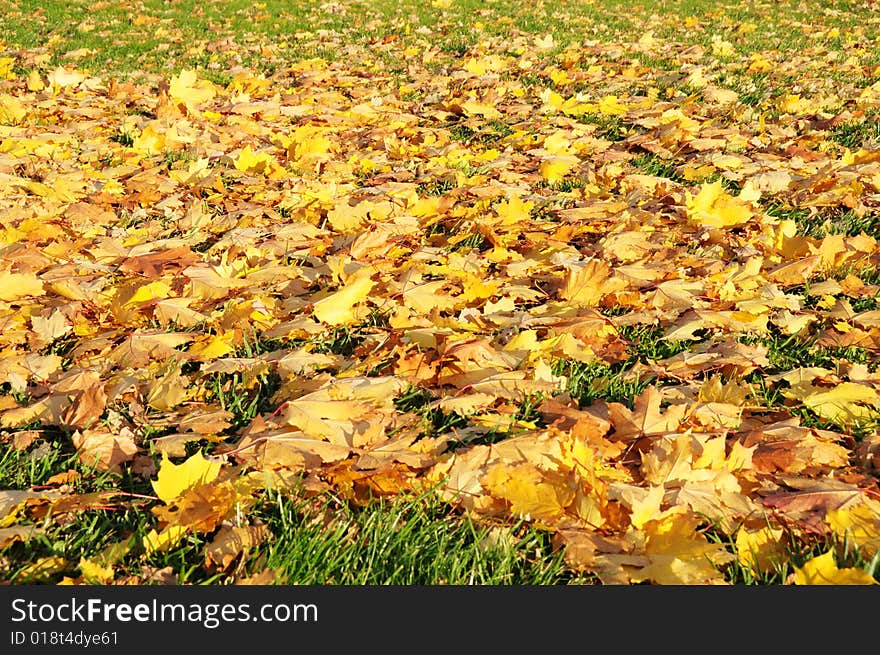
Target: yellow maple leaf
712	206
586	283
646	417
40	570
147	293
792	103
168	391
759	65
610	106
758	550
474	108
859	524
257	163
14	286
822	570
531	493
198	170
647	507
12	112
680	554
558	143
7	64
428	296
485	64
62	77
211	347
339	308
174	479
157	542
95	573
554	169
721	47
34	81
187	89
50	327
847	403
308	143
514	211
149	141
325	419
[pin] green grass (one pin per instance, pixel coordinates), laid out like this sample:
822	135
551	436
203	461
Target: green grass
828	221
611	128
591	381
215	36
415	541
651	164
314	540
858	134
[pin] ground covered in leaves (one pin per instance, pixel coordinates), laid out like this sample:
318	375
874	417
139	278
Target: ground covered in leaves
623	287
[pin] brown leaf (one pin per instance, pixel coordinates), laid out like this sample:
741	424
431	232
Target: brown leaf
230	542
104	449
16	533
154	265
646	418
200	508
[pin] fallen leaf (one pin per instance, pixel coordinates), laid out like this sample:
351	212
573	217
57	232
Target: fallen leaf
823	570
175	479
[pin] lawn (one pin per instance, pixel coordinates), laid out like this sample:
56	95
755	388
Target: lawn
445	292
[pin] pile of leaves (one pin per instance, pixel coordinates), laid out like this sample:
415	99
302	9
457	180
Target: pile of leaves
620	302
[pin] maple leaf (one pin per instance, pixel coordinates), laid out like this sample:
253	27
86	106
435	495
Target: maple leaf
680	554
187	89
808	500
610	106
12	111
714	207
514	210
823	570
200	508
460	223
554	169
428	296
858	524
95	573
52	327
41	570
14	286
230	542
586	283
646	418
261	163
475	108
34	81
339	307
646	507
530	492
847	403
157	542
760	550
168	391
790	448
103	449
61	78
174	479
